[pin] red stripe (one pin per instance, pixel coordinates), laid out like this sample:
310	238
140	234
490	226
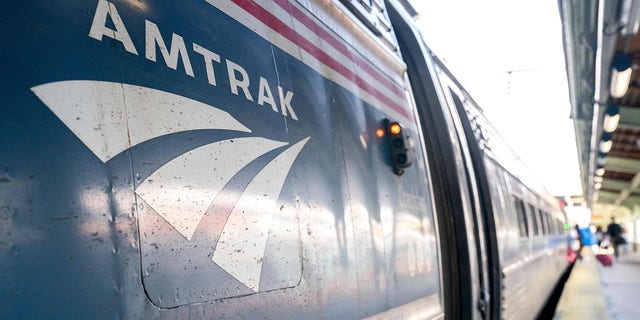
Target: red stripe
277	25
338	45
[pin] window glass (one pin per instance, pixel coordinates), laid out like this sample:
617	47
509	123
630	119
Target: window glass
522	217
535	223
545	222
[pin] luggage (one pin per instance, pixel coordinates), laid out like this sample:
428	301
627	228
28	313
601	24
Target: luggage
571	255
605	259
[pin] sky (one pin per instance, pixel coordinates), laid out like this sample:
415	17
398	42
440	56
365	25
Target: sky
509	56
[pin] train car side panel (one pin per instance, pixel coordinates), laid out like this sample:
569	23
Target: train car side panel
207	159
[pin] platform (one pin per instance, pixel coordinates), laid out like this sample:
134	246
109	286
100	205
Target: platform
594	291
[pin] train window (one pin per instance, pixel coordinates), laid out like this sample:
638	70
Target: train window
535	221
560	227
552	224
374	16
538	214
544	221
522	217
366	3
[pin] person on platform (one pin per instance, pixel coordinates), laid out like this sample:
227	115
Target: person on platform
614	231
580	240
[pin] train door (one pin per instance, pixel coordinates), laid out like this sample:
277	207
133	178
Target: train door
484	224
466	265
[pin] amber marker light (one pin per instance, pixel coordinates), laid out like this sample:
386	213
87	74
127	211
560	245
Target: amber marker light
380	133
394	128
398	146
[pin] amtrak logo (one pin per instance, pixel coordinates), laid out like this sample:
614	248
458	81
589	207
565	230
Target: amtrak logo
110	118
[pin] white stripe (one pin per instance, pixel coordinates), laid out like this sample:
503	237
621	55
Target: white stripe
261	29
111	117
335	17
240	249
338	78
291	48
182	190
343	60
327	48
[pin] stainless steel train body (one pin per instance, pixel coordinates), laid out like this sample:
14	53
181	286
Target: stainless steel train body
228	159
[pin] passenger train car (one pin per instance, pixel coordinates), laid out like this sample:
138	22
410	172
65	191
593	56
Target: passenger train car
255	159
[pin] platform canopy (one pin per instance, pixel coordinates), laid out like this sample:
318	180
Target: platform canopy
602	51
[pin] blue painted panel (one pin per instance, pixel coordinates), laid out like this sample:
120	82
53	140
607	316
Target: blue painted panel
78	239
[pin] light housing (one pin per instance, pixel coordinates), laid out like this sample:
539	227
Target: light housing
399	146
611	119
630	17
620	75
605	143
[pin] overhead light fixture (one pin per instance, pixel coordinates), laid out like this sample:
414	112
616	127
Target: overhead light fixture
598	179
611	119
605	143
620	75
600	172
597	186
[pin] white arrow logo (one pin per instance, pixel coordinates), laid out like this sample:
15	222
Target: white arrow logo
110	118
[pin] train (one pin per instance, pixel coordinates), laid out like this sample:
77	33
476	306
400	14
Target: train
256	159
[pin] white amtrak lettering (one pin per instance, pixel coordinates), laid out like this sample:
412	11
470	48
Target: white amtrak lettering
153	37
209	57
238	76
236	83
285	102
99	28
265	95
